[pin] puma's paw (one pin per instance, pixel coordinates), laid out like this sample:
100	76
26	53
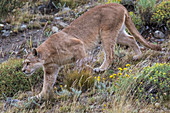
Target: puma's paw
137	57
97	70
36	97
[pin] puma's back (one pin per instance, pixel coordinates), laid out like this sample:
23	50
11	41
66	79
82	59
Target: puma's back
109	17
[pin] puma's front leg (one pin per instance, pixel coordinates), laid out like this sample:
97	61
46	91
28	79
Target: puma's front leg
50	75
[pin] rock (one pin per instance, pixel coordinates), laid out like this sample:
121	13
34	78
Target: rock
7	27
160	40
66	9
62	25
3	31
43	20
157	105
1	26
5	34
23	27
158	34
58	18
54	29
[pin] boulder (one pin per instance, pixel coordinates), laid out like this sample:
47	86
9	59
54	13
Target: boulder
23	27
5	33
1	26
158	34
54	29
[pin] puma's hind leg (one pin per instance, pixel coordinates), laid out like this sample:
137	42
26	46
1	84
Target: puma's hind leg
108	42
129	40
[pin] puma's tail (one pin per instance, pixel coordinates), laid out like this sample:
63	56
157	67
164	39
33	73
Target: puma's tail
132	29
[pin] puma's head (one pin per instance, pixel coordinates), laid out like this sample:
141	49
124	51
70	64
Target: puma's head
32	62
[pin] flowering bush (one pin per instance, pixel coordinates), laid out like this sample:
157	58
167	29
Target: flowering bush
162	14
154	82
151	84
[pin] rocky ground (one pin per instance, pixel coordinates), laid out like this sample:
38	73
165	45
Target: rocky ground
14	44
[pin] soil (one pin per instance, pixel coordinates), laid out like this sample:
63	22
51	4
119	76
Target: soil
14	45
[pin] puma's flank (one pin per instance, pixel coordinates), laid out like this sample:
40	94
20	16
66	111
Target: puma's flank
105	24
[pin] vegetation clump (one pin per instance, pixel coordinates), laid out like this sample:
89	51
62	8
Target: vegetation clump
7	6
82	80
12	79
162	14
153	84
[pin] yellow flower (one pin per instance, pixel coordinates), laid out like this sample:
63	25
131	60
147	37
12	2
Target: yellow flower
127	75
130	71
105	105
61	86
120	68
127	65
124	68
119	74
114	74
111	76
134	77
103	78
103	109
95	77
118	78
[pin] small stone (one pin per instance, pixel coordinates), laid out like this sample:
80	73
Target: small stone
58	18
160	40
1	26
7	27
54	29
158	34
62	25
6	34
23	27
3	31
66	9
43	20
157	105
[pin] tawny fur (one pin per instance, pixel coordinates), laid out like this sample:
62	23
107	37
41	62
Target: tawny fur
105	24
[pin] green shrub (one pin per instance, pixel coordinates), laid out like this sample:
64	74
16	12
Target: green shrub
162	14
146	8
136	20
153	83
6	6
12	79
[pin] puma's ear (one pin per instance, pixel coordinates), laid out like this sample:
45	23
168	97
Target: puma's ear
35	53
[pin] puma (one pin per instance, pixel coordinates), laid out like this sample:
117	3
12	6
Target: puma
104	23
